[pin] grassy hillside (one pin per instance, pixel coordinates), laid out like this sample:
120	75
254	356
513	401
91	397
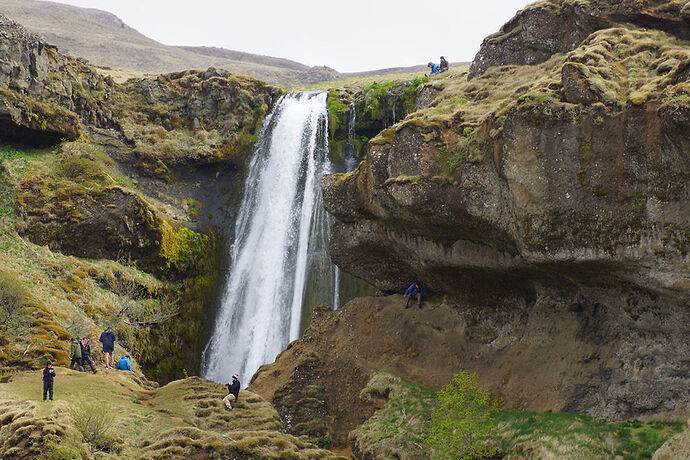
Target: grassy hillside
185	418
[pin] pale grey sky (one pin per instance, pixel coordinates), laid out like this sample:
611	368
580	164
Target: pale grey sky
352	35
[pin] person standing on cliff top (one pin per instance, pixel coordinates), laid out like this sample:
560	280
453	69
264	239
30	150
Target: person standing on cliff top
108	340
233	391
415	290
48	376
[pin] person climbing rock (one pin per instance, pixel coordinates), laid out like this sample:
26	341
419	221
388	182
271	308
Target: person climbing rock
75	354
86	354
108	340
415	290
444	65
124	364
48	376
435	69
233	391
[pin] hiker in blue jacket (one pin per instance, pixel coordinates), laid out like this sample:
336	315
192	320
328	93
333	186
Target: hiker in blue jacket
435	68
124	364
415	290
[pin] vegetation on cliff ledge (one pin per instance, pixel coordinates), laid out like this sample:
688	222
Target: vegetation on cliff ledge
398	429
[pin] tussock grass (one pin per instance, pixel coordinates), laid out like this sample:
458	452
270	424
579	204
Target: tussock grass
120	415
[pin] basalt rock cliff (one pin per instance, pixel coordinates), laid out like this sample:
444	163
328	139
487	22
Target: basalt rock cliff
546	28
545	210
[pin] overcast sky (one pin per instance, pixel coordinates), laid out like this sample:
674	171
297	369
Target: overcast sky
349	36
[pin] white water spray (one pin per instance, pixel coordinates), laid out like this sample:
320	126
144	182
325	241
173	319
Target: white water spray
280	228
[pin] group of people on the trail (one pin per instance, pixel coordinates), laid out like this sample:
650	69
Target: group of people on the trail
436	69
233	392
80	356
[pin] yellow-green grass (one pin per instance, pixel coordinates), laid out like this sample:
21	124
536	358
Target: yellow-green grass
184	418
365	81
622	65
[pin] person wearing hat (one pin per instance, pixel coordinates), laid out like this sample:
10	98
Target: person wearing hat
233	391
435	69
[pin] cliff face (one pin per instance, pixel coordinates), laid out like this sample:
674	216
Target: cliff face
94	169
558	191
44	95
559	26
537	182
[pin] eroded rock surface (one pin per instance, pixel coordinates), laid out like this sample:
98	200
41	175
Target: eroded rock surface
546	345
543	29
553	199
45	92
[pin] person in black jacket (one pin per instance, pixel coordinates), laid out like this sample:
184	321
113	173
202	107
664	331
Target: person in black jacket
86	354
48	376
108	341
233	391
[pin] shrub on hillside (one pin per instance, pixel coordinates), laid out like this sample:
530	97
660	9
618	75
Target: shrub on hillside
13	299
93	421
461	422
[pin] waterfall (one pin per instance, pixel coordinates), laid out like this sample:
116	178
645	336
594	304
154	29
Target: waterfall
349	159
281	237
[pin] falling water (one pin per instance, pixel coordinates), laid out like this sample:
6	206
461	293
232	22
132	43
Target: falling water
281	234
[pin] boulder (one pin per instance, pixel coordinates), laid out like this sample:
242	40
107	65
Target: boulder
545	28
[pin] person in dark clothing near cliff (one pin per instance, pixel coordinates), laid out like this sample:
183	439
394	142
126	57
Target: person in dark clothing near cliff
415	290
233	391
86	354
108	341
75	354
48	376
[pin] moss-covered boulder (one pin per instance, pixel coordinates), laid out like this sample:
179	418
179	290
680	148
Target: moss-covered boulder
504	173
81	211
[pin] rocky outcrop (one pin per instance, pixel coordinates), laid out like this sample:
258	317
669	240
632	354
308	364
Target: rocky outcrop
448	200
44	93
614	353
560	201
80	211
549	27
